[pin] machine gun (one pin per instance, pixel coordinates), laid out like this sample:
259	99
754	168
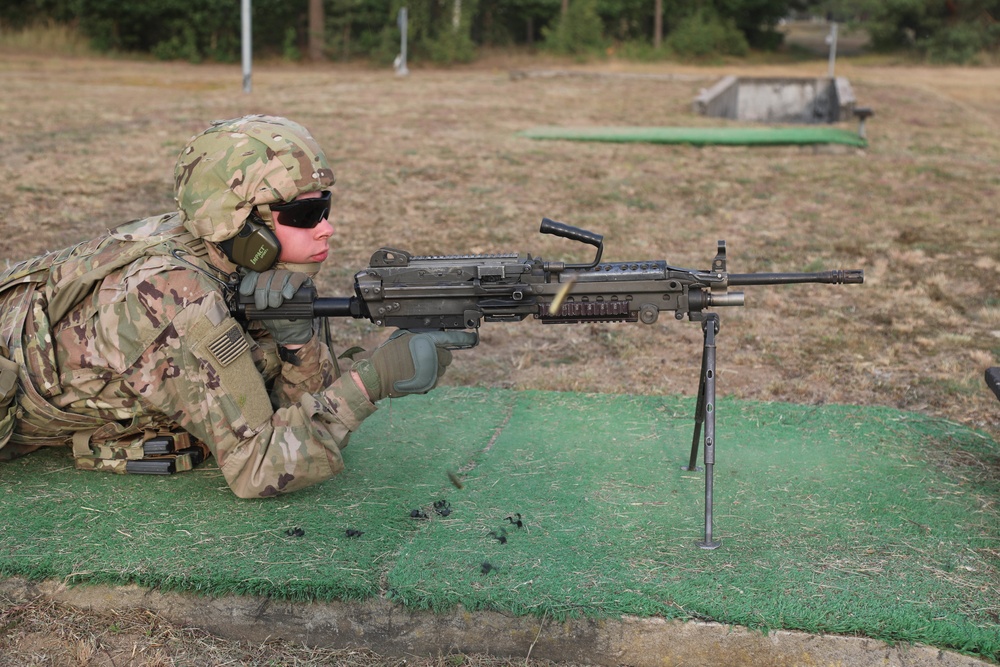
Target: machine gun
461	291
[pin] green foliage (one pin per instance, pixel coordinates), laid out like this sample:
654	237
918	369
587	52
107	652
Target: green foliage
754	19
182	46
290	49
898	24
451	46
705	34
579	32
631	20
507	22
640	50
192	30
46	37
361	28
961	43
435	31
19	15
197	30
451	41
940	31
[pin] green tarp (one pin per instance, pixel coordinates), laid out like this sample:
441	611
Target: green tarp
702	136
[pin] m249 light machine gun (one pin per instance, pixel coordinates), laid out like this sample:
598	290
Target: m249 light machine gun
461	291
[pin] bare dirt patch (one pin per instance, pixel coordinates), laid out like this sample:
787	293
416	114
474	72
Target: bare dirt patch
43	633
432	164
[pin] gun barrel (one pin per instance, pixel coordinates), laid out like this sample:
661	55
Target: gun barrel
837	277
341	306
304	305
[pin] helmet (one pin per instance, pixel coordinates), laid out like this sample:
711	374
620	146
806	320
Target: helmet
235	165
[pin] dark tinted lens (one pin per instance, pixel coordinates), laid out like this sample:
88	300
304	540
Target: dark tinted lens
303	213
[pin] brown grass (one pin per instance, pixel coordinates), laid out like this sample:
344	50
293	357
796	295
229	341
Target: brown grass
432	164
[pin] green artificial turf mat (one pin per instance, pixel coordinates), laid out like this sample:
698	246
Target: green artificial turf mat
702	136
836	519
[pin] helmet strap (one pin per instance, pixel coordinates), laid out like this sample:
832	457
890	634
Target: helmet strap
312	268
263	211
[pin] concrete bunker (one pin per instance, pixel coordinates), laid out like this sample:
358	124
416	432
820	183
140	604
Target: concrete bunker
779	100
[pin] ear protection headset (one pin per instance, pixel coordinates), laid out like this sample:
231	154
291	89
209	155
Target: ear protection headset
254	247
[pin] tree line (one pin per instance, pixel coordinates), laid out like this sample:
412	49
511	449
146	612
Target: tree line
449	31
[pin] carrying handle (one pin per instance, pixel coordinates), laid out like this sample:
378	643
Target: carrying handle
565	231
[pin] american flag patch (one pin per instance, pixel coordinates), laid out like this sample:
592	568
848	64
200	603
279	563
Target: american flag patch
229	345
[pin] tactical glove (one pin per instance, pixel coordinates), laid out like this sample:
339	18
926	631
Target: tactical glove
410	363
269	290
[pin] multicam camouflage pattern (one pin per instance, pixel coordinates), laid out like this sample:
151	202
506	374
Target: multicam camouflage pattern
235	165
8	387
145	343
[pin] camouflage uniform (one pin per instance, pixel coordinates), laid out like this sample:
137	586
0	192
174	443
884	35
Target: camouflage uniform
129	335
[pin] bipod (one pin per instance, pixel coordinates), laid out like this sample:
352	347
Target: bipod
705	415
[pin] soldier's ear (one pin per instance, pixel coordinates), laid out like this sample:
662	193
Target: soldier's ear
254	247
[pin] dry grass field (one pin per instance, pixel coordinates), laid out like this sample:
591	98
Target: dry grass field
432	164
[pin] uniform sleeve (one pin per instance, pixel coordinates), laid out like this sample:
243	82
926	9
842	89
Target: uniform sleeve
307	370
191	362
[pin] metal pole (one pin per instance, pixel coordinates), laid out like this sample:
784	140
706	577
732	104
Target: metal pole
401	21
832	41
246	44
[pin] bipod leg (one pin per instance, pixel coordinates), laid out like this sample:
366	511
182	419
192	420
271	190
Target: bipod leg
711	327
699	414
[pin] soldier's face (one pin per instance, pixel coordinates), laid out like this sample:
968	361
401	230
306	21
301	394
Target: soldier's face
303	245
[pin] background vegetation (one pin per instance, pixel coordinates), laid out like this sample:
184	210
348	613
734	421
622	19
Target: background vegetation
453	31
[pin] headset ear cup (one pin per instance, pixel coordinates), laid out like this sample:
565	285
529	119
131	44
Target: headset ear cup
254	247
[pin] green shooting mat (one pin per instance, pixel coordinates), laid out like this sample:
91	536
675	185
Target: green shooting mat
833	518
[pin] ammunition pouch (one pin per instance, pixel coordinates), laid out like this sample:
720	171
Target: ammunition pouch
148	453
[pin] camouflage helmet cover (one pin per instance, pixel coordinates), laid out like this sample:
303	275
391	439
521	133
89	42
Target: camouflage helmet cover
237	164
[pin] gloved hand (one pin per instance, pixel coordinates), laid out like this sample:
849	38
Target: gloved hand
290	332
410	363
269	290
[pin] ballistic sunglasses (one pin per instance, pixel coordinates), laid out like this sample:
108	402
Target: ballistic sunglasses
303	213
